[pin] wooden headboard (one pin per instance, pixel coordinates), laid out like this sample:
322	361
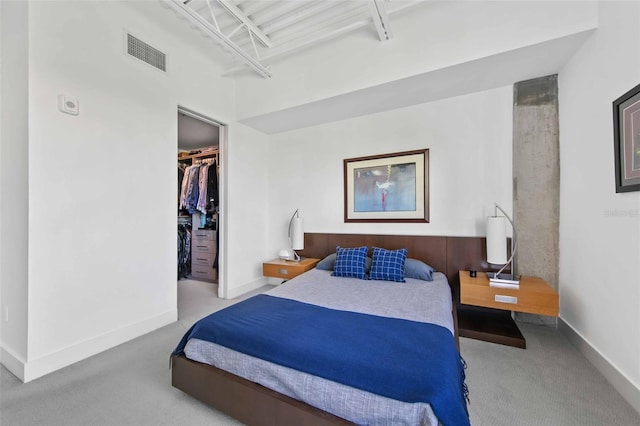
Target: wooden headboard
445	254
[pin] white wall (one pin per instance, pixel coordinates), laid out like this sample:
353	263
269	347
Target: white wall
469	141
428	37
102	185
14	139
599	229
247	200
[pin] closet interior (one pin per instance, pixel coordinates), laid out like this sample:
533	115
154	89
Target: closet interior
198	198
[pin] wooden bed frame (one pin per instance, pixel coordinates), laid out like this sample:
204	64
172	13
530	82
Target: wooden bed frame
254	404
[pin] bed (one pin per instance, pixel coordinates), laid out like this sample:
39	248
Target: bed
261	387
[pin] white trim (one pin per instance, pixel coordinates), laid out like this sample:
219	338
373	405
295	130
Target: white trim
626	388
12	362
197	116
54	361
246	288
223	216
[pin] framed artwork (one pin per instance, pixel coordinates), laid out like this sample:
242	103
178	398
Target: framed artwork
626	140
387	188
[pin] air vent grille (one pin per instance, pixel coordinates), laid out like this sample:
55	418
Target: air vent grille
141	50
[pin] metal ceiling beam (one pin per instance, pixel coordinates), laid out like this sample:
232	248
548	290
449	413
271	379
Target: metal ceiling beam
296	15
335	15
327	20
253	6
205	8
213	15
251	26
197	20
287	49
325	35
276	10
380	19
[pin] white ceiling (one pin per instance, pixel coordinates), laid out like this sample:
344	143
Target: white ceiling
258	32
482	74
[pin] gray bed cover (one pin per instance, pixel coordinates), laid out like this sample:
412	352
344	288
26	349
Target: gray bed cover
416	300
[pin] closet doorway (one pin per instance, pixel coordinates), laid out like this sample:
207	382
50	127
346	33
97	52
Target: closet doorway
201	143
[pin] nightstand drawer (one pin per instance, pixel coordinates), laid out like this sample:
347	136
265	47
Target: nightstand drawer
534	295
512	300
287	269
281	271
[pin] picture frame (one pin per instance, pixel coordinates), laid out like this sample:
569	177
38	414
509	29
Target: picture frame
387	187
626	140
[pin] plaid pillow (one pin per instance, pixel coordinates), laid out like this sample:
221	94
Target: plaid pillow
388	265
350	262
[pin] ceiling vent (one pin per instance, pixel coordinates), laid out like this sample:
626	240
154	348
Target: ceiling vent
147	54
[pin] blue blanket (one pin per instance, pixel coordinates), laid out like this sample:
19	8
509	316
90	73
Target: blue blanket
405	360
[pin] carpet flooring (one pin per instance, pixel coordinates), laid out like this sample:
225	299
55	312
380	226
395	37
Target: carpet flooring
549	383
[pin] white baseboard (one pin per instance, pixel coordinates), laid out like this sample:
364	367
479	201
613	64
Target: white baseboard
232	293
12	362
618	380
49	363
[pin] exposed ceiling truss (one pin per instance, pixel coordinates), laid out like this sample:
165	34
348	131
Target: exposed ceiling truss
256	32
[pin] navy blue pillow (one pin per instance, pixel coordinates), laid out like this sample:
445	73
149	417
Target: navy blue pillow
327	263
414	268
351	262
388	265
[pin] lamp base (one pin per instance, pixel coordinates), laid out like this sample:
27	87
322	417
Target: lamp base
503	280
289	255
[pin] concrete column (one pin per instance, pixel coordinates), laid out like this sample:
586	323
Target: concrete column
536	177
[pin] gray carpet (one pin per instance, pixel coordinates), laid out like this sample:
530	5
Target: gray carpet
550	383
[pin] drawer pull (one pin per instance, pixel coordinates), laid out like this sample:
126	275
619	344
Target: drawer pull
283	271
506	299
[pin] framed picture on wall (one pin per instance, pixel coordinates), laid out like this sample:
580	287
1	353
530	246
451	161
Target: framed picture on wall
626	140
387	187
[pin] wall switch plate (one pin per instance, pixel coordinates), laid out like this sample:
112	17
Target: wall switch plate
68	105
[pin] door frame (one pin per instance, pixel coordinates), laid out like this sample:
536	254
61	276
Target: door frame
222	195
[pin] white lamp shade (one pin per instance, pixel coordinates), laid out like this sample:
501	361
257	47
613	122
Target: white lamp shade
297	233
496	240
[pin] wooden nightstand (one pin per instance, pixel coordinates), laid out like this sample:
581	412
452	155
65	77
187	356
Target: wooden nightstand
534	296
287	269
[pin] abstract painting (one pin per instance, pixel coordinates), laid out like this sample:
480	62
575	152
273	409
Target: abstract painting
387	187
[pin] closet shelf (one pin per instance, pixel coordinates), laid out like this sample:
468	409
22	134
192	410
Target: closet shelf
208	154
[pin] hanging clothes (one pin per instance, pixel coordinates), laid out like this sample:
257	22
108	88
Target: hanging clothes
212	187
192	189
181	169
201	205
184	250
185	187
